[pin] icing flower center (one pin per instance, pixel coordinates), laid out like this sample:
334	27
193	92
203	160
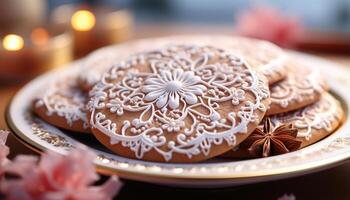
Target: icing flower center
170	86
173	86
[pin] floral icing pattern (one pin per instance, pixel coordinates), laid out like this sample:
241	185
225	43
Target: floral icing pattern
177	90
317	116
64	99
94	65
169	86
304	86
267	58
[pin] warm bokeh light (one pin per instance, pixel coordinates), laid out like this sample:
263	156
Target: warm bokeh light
83	20
13	42
39	36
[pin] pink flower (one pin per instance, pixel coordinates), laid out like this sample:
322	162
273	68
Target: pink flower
4	150
58	177
269	24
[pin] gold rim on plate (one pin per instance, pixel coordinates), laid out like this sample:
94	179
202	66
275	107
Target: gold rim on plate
331	151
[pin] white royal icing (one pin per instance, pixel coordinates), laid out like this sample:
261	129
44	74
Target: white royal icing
317	116
299	86
95	64
168	86
63	98
268	58
180	93
273	61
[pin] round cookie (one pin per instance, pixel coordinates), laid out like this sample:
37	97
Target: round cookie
181	103
98	62
263	56
294	130
302	87
63	104
93	66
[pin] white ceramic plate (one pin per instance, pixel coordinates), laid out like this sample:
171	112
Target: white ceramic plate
214	173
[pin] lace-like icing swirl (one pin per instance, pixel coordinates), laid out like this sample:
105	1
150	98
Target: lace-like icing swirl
64	99
317	116
266	57
177	90
298	87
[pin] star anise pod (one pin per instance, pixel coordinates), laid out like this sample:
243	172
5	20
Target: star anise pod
269	140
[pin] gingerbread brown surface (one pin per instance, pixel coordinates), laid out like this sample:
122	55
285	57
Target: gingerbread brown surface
265	57
179	103
62	104
303	86
313	123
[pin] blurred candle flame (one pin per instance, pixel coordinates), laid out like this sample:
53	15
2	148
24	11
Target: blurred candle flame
83	20
13	42
39	36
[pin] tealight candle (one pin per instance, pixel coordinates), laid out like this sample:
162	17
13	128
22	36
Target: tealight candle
23	55
83	20
13	42
94	29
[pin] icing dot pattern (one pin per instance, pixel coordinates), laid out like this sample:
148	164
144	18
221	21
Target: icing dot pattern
180	99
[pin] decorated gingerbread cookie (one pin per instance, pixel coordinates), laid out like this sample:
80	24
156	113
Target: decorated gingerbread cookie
98	62
263	56
302	87
288	132
93	66
63	104
181	103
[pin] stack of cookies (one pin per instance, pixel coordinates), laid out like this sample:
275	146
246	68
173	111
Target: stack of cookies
193	98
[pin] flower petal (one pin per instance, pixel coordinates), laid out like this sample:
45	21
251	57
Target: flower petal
177	74
3	136
4	150
74	171
22	165
166	75
58	177
150	88
162	100
103	192
196	89
189	78
154	95
174	100
190	98
154	81
111	187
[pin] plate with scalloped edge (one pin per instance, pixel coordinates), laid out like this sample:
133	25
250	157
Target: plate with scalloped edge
216	172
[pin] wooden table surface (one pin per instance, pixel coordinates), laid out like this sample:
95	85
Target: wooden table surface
329	184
